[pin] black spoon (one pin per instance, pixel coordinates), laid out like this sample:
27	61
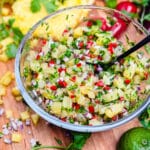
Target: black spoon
105	66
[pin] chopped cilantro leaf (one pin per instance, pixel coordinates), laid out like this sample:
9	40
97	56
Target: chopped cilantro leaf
11	50
111	3
35	6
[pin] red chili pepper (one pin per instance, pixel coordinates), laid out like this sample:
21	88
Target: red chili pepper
127	81
62	83
121	98
118	28
44	41
106	87
76	106
61	69
89	23
127	6
72	96
73	78
100	83
104	26
35	75
146	75
91	109
79	65
114	118
81	44
65	31
63	119
90	37
99	57
111	47
89	44
51	63
38	57
53	87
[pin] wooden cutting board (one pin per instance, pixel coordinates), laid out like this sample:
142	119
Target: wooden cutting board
46	133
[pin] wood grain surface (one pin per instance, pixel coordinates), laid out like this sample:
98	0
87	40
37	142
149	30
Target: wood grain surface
46	133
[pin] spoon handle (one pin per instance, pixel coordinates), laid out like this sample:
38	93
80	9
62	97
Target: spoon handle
131	50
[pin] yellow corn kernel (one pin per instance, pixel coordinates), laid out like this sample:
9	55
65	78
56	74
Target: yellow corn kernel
15	91
25	115
16	137
5	11
3	57
2	90
6	78
9	114
18	98
35	118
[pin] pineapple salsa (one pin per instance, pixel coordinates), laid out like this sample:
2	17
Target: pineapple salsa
57	72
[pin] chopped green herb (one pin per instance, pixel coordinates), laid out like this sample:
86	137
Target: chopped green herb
68	53
58	141
1	134
147	48
35	6
11	50
111	3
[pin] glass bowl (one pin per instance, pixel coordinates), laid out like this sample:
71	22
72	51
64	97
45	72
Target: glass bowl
54	24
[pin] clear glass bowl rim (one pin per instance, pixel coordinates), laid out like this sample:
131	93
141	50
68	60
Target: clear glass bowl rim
50	118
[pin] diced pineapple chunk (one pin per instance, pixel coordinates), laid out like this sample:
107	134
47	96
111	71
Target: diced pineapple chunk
1	101
80	99
110	96
9	114
5	11
114	110
56	108
67	102
3	57
2	90
15	91
119	82
16	137
24	115
94	122
18	98
35	118
78	32
91	94
6	78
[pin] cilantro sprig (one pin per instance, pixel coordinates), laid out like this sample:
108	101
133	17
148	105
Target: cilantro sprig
78	141
50	5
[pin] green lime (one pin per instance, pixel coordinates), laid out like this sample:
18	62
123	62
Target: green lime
135	139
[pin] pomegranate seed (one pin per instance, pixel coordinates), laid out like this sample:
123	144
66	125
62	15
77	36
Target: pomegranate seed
53	87
65	31
127	81
91	109
100	83
35	75
62	83
76	106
